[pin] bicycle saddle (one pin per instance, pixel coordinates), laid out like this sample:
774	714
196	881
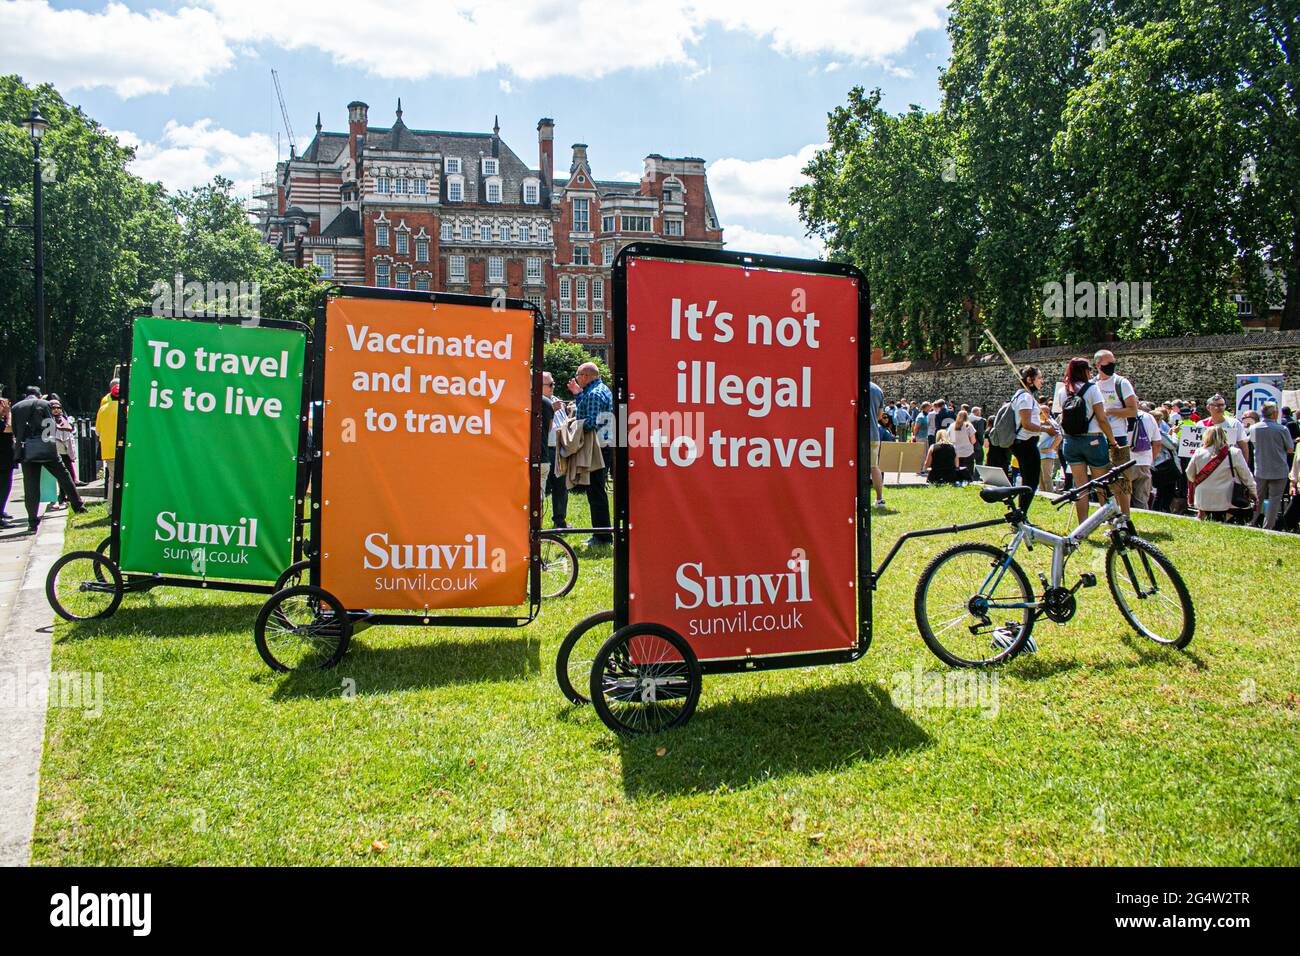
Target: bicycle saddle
993	494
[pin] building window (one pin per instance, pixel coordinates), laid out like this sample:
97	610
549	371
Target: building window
484	233
421	187
456	267
403	279
421	250
403	243
544	232
598	293
1244	308
496	269
581	256
446	232
598	325
381	235
455	190
490	166
325	262
381	275
582	324
580	294
672	227
453	164
533	268
422	282
401	185
636	223
566	323
532	194
382	184
466	232
671	194
581	217
606	223
609	254
564	290
536	299
493	191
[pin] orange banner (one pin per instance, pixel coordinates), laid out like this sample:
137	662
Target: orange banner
426	442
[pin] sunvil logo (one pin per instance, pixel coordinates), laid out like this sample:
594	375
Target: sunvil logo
75	908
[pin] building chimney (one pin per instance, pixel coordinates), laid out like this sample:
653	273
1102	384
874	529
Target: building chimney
546	154
358	117
579	157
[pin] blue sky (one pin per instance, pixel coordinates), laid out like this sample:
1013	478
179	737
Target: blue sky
745	84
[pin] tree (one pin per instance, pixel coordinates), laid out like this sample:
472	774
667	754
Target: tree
562	359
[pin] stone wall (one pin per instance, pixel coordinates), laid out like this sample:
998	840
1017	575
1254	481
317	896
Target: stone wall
1192	368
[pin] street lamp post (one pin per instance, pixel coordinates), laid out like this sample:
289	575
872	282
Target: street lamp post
36	125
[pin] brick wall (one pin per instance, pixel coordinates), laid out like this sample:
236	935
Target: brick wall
1159	368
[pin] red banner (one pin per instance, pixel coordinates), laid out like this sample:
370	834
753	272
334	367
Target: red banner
742	456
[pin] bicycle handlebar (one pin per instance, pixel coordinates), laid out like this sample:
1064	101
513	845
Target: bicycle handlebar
1099	482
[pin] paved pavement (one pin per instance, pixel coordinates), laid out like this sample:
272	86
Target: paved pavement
26	630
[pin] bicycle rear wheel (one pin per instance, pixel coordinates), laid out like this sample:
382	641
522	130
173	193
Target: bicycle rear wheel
974	606
1150	593
559	566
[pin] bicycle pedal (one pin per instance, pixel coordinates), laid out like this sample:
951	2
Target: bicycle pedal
1088	580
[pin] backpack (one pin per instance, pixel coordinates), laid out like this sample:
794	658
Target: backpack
1075	414
1003	432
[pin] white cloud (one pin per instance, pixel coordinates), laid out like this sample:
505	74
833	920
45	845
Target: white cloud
133	53
154	50
752	197
505	87
188	156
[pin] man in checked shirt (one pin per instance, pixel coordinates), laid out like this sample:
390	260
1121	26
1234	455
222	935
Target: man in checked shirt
595	406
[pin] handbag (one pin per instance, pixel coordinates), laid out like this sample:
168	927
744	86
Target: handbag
1241	497
36	450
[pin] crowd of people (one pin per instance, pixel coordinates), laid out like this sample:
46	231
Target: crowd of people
38	435
1242	470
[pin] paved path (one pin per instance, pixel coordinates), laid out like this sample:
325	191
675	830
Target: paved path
26	629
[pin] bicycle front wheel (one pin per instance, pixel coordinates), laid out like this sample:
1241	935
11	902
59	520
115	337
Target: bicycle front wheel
974	606
1150	593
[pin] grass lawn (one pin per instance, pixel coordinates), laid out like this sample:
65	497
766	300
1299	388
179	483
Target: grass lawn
458	748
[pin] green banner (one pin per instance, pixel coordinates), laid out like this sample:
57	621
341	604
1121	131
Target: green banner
211	445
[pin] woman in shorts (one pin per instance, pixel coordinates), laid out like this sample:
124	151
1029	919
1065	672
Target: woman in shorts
1087	454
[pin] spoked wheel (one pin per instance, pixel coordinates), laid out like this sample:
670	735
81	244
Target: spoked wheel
1150	592
559	566
974	606
644	679
302	628
83	585
578	652
293	576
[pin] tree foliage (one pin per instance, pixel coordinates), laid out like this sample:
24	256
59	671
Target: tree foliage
1146	141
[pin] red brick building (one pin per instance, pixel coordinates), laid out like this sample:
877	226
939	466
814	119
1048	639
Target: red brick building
407	208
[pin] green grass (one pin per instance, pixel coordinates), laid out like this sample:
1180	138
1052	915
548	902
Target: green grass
457	747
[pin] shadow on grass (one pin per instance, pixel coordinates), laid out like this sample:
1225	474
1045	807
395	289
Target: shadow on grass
382	670
1031	667
751	740
197	620
101	522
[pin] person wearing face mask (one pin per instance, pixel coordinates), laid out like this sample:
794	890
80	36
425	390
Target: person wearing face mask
1121	404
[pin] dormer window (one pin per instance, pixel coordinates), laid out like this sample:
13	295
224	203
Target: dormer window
491	166
453	164
494	190
455	189
532	192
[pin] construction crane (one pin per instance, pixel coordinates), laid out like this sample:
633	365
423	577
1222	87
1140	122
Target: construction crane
284	113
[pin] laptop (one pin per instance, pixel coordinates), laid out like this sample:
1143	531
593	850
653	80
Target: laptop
993	476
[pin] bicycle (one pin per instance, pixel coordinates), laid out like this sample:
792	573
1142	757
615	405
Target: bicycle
963	589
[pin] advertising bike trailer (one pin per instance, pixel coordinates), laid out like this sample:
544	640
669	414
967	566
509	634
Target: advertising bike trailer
741	527
209	470
425	472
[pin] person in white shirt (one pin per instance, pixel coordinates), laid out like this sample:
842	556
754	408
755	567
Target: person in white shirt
1234	431
1024	406
962	434
1146	432
1211	495
1121	408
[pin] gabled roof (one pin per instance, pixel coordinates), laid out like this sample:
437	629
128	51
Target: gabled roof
346	225
325	148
